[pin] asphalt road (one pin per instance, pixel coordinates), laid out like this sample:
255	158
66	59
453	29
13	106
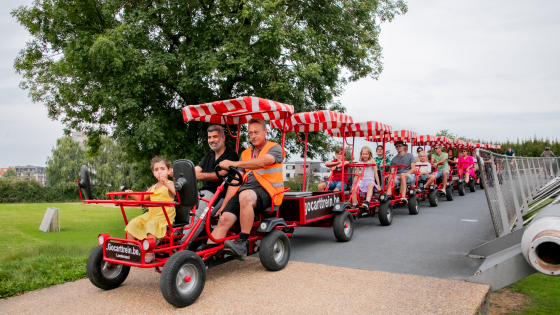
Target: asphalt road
434	243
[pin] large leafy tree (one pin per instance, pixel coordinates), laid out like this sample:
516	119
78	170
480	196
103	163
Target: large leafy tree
63	166
126	68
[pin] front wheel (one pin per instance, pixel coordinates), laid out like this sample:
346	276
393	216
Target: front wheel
433	198
461	188
413	205
102	274
472	186
183	278
385	213
343	226
449	193
275	250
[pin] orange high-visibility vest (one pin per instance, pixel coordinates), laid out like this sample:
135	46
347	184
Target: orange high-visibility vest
269	177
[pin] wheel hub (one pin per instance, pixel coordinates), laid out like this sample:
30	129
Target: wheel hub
187	278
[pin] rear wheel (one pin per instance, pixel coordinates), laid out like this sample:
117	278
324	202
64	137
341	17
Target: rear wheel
102	274
385	213
275	250
433	198
472	186
183	278
413	205
449	193
343	226
461	188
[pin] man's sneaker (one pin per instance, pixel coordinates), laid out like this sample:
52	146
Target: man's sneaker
237	248
404	201
365	205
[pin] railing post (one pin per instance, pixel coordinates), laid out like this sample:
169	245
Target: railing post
519	223
525	203
533	177
528	191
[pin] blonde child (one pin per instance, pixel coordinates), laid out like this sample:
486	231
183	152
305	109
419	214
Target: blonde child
153	223
370	179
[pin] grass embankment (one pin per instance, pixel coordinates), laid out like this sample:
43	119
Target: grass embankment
32	259
542	292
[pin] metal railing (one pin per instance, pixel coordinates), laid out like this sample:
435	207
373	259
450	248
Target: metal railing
512	184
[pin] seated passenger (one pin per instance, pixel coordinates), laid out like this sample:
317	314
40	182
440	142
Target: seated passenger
153	224
379	158
205	172
439	160
336	175
420	149
451	159
466	165
406	173
425	169
261	166
369	182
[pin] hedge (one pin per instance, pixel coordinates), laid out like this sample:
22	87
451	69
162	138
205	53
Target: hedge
13	190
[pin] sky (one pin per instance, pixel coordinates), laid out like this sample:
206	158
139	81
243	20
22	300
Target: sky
486	70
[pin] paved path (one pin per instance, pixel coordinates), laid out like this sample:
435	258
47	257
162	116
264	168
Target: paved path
247	288
434	243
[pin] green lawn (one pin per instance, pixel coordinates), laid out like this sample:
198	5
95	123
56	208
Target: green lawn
542	291
32	259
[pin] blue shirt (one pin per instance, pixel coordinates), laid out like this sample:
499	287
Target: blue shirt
510	153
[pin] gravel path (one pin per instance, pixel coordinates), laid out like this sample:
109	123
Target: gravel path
247	288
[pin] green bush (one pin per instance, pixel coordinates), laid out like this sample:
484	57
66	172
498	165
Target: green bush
531	147
13	190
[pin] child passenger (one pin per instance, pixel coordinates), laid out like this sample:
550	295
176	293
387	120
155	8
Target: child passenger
153	223
336	177
370	179
424	168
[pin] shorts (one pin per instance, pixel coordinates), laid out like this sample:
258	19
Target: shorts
365	184
263	202
424	178
336	185
440	173
410	180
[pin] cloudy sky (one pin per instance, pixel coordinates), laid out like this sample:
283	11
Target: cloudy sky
482	69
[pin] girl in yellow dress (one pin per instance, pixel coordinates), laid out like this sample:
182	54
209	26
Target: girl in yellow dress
153	223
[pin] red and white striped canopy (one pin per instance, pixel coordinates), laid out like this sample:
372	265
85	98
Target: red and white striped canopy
361	129
479	145
460	143
313	121
470	145
497	146
237	111
398	135
440	140
423	140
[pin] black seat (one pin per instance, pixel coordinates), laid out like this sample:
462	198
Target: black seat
268	210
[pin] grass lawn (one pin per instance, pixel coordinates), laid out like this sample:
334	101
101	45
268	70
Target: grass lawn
542	291
32	259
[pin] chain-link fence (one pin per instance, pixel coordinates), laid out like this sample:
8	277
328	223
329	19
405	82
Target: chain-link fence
511	184
316	173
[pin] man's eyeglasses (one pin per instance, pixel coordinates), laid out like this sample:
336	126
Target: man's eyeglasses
398	145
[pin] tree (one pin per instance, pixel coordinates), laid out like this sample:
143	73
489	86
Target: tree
10	173
109	169
127	68
63	167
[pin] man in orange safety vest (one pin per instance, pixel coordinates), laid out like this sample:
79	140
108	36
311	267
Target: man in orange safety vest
261	166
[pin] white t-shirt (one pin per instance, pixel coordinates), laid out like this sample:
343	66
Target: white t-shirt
424	166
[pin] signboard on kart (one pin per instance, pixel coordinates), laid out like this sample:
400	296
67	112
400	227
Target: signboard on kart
318	206
123	251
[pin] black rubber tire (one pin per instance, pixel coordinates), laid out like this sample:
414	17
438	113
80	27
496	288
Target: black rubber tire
449	193
98	270
341	232
385	213
461	189
433	198
413	205
171	278
472	186
274	243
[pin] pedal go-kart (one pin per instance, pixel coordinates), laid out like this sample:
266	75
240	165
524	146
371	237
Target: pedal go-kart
423	191
437	190
183	270
316	209
463	145
384	202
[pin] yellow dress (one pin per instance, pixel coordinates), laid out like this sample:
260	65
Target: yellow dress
153	221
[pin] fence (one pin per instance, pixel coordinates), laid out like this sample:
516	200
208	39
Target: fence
511	184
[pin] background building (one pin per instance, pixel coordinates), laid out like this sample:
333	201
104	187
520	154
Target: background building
80	138
30	172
